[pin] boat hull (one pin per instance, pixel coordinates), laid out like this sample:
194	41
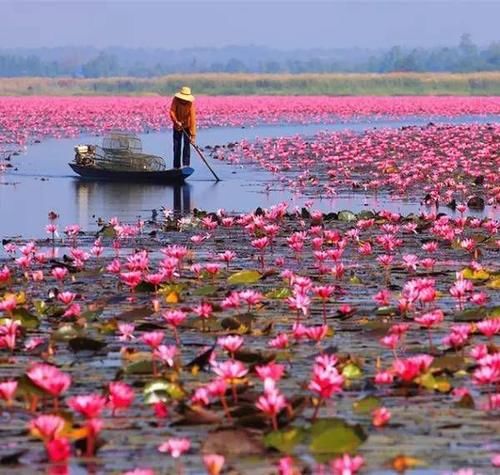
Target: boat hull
173	175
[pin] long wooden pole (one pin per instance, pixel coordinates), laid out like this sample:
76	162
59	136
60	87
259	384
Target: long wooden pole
201	155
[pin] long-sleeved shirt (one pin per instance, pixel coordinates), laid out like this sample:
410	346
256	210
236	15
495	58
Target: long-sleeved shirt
184	112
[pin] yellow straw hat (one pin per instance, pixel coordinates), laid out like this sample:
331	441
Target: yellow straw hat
185	94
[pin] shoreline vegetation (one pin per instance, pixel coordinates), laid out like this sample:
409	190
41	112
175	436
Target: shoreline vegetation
328	84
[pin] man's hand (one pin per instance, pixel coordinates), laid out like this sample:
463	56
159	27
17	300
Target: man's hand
179	125
193	140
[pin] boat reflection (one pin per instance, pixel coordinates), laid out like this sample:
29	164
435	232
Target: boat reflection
128	201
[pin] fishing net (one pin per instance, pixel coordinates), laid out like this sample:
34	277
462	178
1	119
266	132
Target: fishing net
120	152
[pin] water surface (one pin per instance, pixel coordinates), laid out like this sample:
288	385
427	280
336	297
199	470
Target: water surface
42	181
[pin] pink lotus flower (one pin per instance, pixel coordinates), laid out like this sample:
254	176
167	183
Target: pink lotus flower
383	298
126	331
346	465
153	339
66	297
166	354
380	416
489	328
272	371
204	310
48	427
175	447
230	370
59	273
121	395
230	343
271	402
58	450
90	405
8	390
49	378
279	342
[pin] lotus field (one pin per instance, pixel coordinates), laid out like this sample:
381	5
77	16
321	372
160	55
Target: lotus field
279	341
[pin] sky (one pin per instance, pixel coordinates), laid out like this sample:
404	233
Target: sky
283	24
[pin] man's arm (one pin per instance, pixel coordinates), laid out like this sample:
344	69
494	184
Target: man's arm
192	123
173	117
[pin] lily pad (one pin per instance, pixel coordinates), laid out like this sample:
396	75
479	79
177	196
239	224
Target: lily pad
281	293
244	277
27	319
347	216
232	442
285	440
351	371
366	405
335	436
83	343
205	291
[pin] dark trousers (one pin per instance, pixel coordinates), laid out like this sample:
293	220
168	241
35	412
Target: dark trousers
179	137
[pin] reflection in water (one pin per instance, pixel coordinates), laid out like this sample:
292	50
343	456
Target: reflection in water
127	200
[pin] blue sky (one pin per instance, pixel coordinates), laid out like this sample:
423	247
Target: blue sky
285	24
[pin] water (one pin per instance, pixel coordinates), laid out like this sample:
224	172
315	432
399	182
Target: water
42	181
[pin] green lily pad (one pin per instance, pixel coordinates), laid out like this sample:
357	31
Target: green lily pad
366	405
244	277
139	367
205	291
351	371
285	440
470	315
281	293
347	216
161	390
27	319
335	436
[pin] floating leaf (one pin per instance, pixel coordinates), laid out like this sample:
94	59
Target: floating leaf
366	405
347	216
494	283
244	277
439	384
335	436
282	293
351	371
355	280
27	319
40	307
232	442
83	343
470	315
471	274
466	402
196	415
145	287
205	291
450	363
135	314
202	360
161	390
144	366
66	332
285	440
386	311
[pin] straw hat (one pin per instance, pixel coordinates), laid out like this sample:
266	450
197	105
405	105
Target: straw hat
185	94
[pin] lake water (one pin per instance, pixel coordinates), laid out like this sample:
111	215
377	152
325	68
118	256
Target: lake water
42	181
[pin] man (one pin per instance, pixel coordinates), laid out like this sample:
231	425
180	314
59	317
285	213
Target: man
183	115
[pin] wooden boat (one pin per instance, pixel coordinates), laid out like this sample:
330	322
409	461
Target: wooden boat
121	159
173	175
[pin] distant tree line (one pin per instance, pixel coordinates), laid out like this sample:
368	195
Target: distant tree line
91	63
